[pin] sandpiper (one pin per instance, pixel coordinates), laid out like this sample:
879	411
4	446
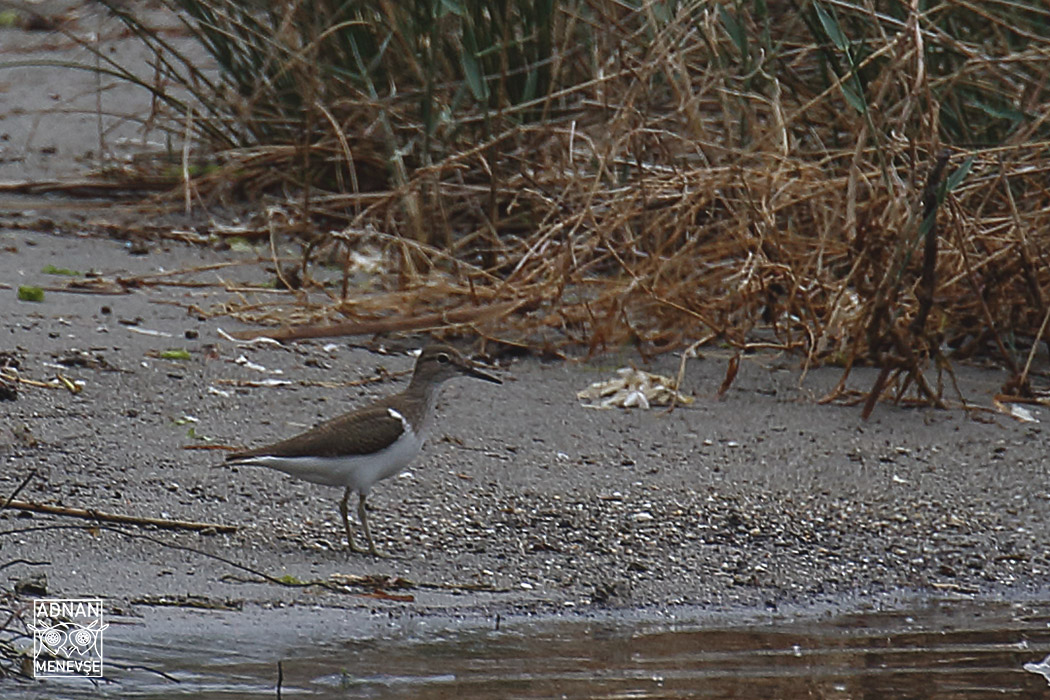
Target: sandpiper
359	448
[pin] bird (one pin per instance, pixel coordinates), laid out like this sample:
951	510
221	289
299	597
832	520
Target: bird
358	449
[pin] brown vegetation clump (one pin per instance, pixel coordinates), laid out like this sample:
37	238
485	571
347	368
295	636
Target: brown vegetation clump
853	182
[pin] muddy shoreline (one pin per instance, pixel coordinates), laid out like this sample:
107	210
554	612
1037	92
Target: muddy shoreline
762	505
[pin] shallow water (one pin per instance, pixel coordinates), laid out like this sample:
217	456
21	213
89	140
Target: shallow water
947	649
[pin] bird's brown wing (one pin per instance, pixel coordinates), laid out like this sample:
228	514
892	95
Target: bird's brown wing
361	432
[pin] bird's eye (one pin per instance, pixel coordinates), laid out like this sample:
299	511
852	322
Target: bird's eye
443	358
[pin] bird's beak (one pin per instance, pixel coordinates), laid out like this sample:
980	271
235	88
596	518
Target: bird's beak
475	372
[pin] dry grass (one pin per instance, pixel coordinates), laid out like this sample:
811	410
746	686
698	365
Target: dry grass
758	175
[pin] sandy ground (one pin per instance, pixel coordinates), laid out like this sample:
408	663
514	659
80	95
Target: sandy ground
760	499
524	501
58	124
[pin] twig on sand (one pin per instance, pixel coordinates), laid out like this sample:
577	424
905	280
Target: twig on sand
399	582
470	314
80	188
18	490
92	514
378	585
341	583
59	382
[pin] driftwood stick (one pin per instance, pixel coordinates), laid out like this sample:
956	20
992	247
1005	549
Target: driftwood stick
25	482
92	514
470	314
81	188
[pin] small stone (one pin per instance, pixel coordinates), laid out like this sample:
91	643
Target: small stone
35	585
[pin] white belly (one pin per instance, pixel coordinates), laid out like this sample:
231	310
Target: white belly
359	472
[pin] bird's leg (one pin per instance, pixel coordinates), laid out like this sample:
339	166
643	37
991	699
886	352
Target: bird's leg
363	516
343	509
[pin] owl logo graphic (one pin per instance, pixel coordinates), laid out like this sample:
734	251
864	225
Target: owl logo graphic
67	640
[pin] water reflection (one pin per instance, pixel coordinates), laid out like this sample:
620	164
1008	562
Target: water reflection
949	649
945	651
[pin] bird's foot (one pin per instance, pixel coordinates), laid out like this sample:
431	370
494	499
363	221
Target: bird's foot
379	554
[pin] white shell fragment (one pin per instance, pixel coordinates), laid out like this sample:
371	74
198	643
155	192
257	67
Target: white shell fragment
1022	414
1017	411
245	362
1042	668
149	331
261	340
632	389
